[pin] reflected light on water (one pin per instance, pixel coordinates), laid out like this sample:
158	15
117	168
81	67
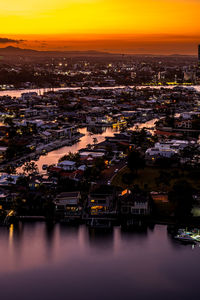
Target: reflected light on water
53	156
53	260
11	232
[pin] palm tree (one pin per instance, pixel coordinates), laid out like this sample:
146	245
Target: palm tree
89	146
30	168
10	169
95	141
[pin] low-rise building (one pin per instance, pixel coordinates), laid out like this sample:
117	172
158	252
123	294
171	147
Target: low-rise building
156	152
134	203
67	165
68	203
100	203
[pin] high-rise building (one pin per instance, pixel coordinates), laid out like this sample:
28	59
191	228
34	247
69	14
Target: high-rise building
198	67
199	55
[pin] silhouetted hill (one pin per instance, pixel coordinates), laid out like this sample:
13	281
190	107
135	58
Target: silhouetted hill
16	54
13	51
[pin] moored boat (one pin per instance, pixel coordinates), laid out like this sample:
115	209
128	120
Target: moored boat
100	223
185	238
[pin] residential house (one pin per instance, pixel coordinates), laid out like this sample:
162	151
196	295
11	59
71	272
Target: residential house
67	165
68	203
134	203
100	203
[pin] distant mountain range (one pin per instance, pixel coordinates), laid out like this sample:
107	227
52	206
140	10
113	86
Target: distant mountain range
11	51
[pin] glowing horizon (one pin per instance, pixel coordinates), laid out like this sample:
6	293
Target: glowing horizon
97	20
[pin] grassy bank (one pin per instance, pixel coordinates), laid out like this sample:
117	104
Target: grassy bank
155	178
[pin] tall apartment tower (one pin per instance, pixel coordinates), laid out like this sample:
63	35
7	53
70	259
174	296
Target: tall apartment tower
199	55
198	67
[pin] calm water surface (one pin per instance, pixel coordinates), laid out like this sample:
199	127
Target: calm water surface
17	93
38	262
53	156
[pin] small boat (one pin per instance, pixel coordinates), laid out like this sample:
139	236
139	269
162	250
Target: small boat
44	167
185	238
184	231
196	237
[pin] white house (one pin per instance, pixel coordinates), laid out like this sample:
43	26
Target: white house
134	204
67	165
156	152
91	154
167	149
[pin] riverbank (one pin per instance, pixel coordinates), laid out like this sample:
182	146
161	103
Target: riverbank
116	220
42	150
56	149
17	93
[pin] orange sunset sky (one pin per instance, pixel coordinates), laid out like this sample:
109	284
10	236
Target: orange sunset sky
125	26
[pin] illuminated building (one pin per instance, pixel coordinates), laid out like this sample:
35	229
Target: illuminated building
199	55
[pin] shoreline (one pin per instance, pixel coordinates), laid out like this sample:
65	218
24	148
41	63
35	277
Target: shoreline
42	90
57	144
117	220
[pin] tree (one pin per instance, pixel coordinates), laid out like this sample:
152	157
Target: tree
109	152
181	196
30	168
89	146
92	173
163	179
10	169
99	164
22	181
95	141
166	162
10	179
71	156
9	121
141	138
169	121
135	161
188	152
196	124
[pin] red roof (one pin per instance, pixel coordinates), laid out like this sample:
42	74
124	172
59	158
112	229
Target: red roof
55	169
71	174
168	133
124	143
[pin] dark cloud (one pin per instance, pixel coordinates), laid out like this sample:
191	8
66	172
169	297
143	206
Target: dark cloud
6	41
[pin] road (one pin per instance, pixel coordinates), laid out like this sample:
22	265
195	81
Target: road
110	173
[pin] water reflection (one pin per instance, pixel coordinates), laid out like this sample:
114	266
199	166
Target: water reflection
50	239
44	243
101	241
17	93
89	135
53	156
148	125
52	262
68	231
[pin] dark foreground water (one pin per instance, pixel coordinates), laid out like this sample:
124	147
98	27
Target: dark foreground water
37	262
